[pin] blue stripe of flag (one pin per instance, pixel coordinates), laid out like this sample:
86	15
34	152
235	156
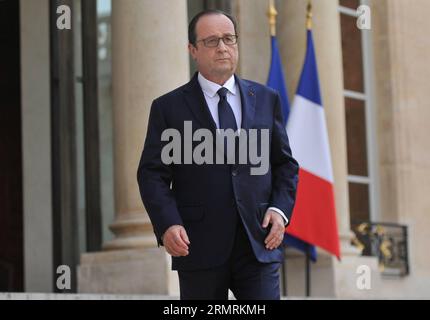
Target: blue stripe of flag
309	86
276	79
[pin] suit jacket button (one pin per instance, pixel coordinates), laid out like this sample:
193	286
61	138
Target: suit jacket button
234	173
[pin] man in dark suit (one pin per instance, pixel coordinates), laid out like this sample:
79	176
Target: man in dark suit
222	225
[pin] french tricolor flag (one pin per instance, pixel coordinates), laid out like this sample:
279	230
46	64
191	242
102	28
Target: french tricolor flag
314	215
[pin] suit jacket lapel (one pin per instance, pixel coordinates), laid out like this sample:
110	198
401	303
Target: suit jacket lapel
248	98
196	102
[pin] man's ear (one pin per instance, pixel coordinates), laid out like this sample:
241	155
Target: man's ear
192	50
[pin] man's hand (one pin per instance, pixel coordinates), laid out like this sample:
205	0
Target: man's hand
176	242
276	235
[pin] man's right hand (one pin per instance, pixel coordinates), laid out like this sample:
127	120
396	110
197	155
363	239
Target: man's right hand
176	242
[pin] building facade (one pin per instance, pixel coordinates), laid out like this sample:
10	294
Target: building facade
75	104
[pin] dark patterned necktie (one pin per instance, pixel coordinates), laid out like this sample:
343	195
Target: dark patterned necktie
226	120
225	113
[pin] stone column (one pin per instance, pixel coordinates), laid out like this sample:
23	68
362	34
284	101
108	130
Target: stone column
149	58
36	146
254	39
401	54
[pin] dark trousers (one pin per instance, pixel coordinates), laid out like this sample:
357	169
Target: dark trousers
243	274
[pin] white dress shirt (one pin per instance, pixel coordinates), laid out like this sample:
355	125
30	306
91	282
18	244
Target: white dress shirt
210	90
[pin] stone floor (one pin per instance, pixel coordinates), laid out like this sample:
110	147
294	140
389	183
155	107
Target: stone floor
65	296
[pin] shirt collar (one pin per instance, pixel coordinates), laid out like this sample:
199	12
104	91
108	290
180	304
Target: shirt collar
211	88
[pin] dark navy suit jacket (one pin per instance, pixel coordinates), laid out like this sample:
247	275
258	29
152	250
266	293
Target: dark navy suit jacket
209	199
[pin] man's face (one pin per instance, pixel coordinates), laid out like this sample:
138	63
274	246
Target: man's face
219	62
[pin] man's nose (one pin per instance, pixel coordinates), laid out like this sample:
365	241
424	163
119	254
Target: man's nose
221	45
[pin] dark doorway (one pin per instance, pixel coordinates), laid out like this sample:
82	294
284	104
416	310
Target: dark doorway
11	228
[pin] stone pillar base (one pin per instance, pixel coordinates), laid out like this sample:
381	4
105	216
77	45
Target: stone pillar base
139	271
347	274
331	278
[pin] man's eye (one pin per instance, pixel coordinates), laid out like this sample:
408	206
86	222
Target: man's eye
228	39
212	41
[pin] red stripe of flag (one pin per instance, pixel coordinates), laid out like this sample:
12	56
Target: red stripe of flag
314	214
